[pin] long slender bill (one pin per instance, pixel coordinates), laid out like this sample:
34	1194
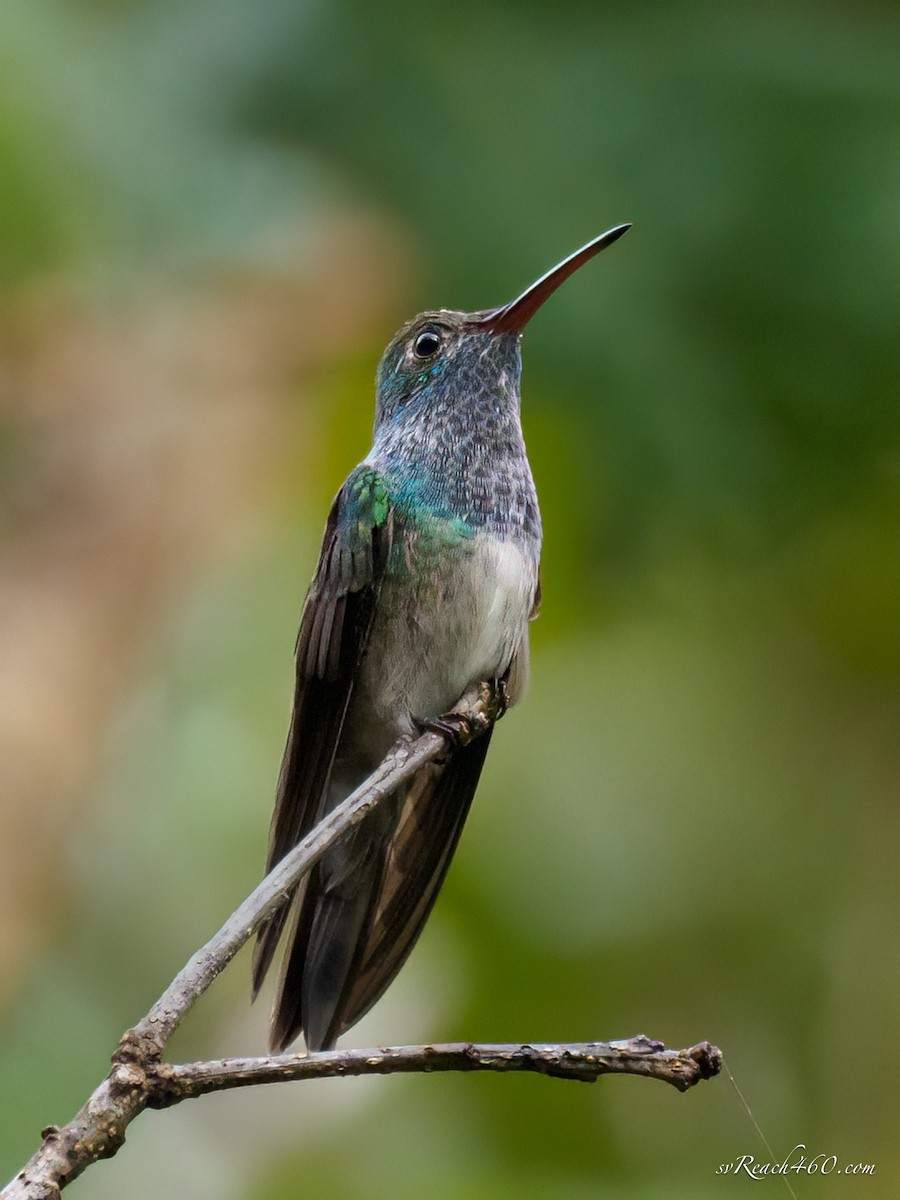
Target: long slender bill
513	317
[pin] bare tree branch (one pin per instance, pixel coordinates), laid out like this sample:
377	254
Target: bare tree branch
139	1080
584	1061
149	1037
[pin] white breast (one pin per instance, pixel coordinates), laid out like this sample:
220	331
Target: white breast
503	590
457	628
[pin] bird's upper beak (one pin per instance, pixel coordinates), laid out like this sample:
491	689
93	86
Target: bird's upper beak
513	317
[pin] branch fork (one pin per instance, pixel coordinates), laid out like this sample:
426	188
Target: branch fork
139	1078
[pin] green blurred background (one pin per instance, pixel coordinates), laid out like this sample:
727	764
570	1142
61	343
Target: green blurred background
212	217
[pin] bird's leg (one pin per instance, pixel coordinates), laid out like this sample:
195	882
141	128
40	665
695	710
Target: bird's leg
475	713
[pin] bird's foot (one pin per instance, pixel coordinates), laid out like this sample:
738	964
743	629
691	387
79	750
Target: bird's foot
474	715
496	697
458	728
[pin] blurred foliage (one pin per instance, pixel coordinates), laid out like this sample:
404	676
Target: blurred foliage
212	216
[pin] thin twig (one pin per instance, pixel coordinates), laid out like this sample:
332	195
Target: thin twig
585	1061
139	1080
149	1037
98	1129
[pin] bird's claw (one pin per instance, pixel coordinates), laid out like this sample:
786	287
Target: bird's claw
460	728
498	697
457	728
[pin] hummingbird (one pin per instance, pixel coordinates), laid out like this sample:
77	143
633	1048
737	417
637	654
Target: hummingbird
427	579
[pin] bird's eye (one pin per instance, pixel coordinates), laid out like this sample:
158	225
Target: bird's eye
427	343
